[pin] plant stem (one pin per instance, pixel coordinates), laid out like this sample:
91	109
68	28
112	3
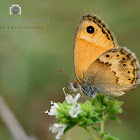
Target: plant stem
93	136
102	130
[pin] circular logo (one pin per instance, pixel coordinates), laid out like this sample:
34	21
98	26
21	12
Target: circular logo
15	10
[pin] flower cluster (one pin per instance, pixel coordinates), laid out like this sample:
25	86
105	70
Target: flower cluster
71	113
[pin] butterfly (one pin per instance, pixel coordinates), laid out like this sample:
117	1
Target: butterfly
101	66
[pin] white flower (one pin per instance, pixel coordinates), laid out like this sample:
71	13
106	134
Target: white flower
75	111
58	128
53	110
69	99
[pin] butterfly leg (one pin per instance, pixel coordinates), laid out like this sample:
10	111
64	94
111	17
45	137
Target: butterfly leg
81	92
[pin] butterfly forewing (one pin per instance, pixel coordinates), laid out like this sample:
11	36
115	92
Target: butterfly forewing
93	38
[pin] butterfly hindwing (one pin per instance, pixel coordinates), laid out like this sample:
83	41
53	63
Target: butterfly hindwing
114	71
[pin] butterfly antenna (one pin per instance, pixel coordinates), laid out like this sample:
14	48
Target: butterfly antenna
63	93
65	74
64	89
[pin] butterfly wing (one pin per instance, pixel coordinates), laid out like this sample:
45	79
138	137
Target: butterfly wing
115	71
93	38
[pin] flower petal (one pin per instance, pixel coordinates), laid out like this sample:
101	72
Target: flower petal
53	110
58	128
75	111
69	99
74	102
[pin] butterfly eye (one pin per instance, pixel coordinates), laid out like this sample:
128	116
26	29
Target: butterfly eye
90	29
75	85
123	58
129	72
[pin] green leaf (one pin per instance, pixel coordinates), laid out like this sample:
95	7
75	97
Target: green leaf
107	136
119	103
69	127
96	120
96	128
86	122
114	110
110	138
113	118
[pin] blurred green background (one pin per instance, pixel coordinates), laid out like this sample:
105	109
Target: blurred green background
29	60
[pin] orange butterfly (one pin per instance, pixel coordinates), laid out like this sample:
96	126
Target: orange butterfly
100	65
